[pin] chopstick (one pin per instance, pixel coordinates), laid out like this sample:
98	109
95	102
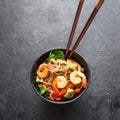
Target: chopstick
74	26
85	28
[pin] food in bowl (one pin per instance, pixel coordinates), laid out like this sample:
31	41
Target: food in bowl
60	79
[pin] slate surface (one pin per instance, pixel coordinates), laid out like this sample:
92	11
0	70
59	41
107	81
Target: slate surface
30	27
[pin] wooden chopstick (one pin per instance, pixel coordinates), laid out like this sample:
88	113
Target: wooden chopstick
92	16
74	25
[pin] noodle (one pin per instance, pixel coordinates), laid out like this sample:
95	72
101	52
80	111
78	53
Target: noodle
56	70
59	69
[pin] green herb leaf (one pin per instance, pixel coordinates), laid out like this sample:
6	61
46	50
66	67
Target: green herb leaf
56	54
42	90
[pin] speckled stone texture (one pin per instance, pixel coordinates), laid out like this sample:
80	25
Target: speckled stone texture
30	27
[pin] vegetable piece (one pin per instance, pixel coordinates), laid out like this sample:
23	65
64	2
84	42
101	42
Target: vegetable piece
50	56
56	54
55	97
69	94
39	79
47	89
63	62
82	69
77	90
71	86
58	99
42	90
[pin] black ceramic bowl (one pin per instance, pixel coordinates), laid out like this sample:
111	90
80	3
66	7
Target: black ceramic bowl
42	58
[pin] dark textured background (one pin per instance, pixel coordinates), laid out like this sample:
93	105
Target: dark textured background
30	27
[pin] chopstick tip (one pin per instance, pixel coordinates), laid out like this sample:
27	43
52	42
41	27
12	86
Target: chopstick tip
99	4
82	1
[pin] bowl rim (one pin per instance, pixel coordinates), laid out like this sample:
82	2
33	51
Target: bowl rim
60	102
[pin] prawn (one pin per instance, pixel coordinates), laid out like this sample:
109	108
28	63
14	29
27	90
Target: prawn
43	71
77	77
60	82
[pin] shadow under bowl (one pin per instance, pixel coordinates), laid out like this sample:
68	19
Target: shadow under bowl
43	58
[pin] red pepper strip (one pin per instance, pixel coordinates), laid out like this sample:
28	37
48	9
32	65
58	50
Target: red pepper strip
55	97
56	90
71	86
77	90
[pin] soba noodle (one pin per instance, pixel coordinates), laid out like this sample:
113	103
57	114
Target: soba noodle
65	72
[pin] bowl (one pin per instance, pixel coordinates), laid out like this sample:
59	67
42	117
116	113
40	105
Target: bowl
42	58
